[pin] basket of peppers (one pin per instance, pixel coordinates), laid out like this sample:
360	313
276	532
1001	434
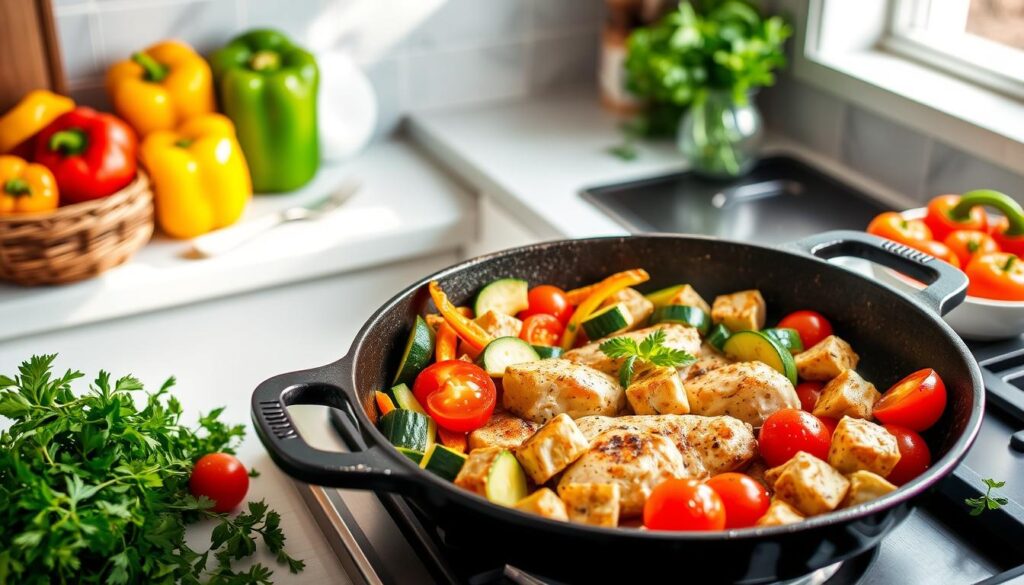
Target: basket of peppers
988	247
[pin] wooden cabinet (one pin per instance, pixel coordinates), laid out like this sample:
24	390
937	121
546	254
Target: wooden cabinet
29	51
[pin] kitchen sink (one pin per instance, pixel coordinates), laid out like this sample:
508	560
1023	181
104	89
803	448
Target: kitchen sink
780	200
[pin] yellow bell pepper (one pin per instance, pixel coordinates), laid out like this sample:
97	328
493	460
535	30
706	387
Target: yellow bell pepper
199	176
25	187
37	109
598	295
161	87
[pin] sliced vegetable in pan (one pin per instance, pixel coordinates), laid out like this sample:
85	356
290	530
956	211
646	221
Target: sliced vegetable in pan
468	331
600	293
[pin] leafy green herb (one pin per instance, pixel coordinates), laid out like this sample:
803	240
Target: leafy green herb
94	487
987	502
253	472
650	350
625	151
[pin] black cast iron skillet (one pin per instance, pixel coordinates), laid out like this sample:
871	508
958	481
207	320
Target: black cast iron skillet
893	333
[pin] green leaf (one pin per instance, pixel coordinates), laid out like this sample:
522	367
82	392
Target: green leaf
617	347
626	371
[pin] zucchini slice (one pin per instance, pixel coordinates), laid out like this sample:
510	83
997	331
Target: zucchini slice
787	338
547	351
416	456
406	428
684	315
607	321
507	296
418	351
404	399
661	296
749	346
506	480
504	352
718	336
443	461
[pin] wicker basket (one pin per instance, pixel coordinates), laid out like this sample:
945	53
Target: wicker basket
78	241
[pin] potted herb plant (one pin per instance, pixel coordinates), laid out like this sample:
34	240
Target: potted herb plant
697	69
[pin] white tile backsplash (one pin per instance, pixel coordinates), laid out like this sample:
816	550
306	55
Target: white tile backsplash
563	61
462	23
885	151
75	33
465	76
292	17
561	15
386	77
953	171
125	28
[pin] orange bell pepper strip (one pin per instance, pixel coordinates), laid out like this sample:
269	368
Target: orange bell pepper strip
473	334
578	295
384	402
25	187
33	113
452	439
600	293
447	341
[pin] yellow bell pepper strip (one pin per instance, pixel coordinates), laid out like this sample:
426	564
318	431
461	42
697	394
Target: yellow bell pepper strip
471	333
161	87
37	109
384	402
25	187
453	439
199	175
578	295
447	340
601	292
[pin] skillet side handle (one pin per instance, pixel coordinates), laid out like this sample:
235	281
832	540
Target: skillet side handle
370	468
946	286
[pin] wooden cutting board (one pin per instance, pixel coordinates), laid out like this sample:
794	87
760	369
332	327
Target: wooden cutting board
29	50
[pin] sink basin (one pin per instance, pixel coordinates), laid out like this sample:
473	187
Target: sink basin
780	200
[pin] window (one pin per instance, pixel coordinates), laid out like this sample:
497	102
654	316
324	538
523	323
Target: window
978	40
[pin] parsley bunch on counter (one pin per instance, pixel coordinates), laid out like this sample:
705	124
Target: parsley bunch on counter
94	487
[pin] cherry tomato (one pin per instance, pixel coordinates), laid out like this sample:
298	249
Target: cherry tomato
830	424
542	329
459	395
745	500
915	402
915	457
684	504
790	430
942	224
808	393
937	249
220	477
811	325
996	276
550	300
968	243
893	226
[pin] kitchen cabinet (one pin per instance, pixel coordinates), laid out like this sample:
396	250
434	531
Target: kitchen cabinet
497	229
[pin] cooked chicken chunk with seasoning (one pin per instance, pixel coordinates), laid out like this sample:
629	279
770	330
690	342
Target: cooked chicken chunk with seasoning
710	359
740	311
473	475
847	395
635	460
636	304
749	391
858	444
716	443
539	391
499	324
864	487
657	390
780	513
826	359
809	484
544	502
591	503
676	337
689	297
552	448
504	430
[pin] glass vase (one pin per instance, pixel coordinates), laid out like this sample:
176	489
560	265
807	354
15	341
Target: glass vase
720	136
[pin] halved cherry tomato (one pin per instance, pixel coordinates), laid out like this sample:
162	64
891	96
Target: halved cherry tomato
937	249
790	430
940	220
893	226
811	325
459	395
745	500
968	243
684	504
808	393
220	477
997	276
915	402
542	329
915	457
550	300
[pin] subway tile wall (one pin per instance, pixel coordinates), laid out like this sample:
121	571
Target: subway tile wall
416	53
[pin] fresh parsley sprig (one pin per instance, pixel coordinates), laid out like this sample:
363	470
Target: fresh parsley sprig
987	502
651	350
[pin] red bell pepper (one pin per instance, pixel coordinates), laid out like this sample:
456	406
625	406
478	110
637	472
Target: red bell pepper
1009	233
91	154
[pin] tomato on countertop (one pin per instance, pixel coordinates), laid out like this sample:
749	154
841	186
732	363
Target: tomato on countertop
549	300
811	325
942	221
220	477
459	395
790	430
915	457
893	226
542	329
745	500
915	402
969	243
684	504
998	276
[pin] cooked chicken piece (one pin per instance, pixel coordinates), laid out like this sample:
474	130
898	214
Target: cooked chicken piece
715	443
710	359
858	444
657	390
826	359
864	487
504	430
689	297
473	475
809	484
749	391
847	395
538	391
591	503
544	502
740	311
635	460
499	324
636	304
552	448
779	513
676	337
757	470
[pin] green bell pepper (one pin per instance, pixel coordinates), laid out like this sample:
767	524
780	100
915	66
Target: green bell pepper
268	87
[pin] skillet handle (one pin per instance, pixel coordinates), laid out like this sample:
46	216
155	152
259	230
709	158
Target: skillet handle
946	286
369	468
